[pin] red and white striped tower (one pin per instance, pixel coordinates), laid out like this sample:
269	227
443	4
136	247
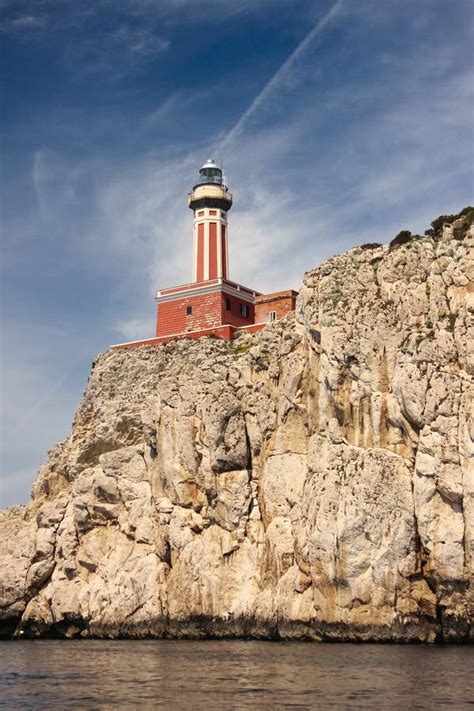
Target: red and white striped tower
210	201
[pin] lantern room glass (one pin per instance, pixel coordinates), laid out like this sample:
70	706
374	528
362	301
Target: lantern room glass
210	175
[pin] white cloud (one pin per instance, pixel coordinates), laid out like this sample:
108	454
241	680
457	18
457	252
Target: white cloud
165	110
196	8
27	21
15	486
134	329
138	42
43	373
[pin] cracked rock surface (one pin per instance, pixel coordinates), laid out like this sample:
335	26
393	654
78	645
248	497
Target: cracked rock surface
314	480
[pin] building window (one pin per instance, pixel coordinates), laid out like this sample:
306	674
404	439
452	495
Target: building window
228	305
244	310
272	315
189	310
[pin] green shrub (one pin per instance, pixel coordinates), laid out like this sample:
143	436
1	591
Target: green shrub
370	245
403	237
436	228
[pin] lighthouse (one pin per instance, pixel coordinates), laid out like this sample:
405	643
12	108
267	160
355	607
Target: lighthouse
210	202
211	304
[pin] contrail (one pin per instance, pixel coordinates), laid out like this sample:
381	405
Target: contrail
281	73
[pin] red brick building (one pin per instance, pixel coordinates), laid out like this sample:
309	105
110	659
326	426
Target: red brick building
211	303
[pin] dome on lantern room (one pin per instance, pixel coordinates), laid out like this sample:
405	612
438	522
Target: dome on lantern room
210	173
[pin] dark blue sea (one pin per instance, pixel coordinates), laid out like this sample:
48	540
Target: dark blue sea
95	674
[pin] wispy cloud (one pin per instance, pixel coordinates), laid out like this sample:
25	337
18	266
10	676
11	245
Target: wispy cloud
117	53
115	44
137	42
196	8
165	110
27	21
56	15
281	74
39	395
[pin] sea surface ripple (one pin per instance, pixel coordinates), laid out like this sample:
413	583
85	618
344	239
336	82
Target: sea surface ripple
169	674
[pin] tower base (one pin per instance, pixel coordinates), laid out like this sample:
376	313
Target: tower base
217	307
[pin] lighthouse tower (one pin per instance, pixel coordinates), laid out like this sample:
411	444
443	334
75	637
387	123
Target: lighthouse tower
210	202
211	303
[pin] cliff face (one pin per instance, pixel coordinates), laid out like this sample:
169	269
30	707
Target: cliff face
313	480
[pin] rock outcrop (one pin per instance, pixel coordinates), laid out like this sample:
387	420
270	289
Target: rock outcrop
314	480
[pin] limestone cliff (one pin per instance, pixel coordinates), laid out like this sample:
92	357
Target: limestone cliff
313	480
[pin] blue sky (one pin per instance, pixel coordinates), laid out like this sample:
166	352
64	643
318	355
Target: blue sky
338	122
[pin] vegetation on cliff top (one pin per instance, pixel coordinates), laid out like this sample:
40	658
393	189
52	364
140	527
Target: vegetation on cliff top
465	218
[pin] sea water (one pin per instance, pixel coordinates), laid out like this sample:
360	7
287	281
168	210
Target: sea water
168	674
